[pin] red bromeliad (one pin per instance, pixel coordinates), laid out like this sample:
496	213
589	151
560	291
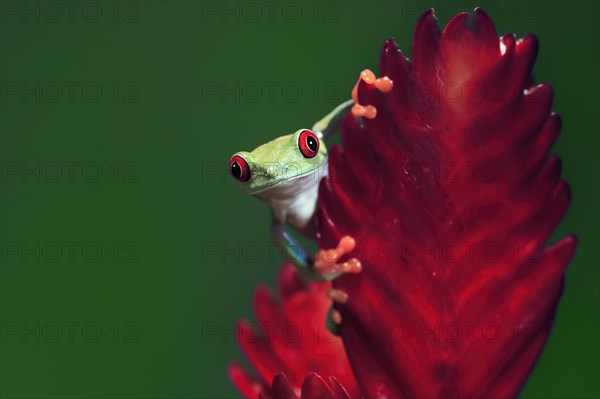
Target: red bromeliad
293	339
444	181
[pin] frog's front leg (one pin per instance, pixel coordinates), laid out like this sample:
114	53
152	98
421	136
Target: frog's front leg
325	266
330	122
292	250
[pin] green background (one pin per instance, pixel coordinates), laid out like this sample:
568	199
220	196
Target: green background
182	249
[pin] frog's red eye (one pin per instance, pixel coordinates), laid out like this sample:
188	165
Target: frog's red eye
308	143
239	168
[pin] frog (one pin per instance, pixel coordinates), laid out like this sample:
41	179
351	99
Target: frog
285	174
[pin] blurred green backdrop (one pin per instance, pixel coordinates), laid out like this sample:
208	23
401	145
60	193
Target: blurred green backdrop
127	252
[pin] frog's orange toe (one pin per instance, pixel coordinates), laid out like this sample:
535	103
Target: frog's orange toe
338	296
383	84
327	263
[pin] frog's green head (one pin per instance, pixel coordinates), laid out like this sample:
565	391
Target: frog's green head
282	160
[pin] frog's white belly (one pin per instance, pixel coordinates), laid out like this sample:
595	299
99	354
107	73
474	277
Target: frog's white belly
295	201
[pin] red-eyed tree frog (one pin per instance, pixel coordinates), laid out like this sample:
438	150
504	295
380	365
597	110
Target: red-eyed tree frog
285	173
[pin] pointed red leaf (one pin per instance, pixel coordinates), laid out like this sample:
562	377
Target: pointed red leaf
451	197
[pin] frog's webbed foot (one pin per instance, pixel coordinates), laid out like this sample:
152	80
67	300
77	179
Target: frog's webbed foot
383	84
327	266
